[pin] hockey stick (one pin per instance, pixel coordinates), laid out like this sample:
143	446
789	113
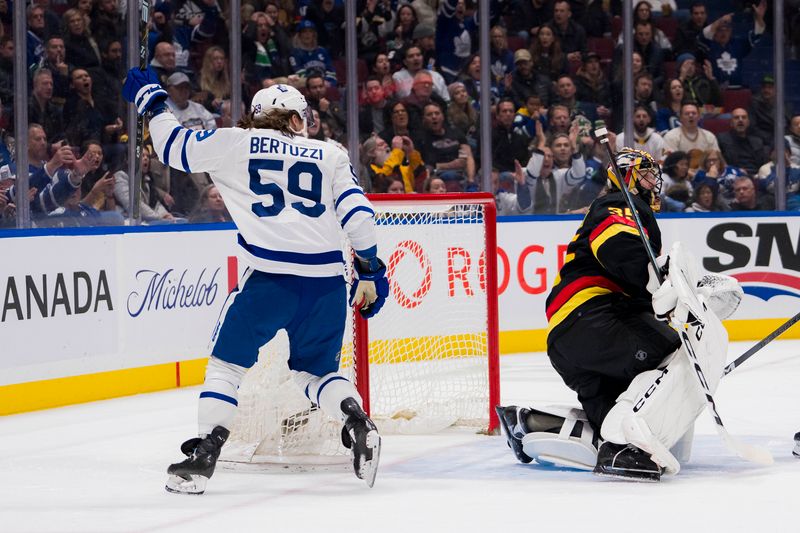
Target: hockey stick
763	342
745	451
144	35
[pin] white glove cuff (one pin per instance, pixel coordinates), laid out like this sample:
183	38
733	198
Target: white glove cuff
146	94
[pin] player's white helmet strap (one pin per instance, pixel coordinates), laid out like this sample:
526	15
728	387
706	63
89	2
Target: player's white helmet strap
282	96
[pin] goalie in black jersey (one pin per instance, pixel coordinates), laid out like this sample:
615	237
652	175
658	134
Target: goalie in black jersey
605	341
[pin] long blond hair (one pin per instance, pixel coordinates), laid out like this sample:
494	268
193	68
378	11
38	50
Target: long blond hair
218	84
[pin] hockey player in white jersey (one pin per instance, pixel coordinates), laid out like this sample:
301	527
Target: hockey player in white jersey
290	198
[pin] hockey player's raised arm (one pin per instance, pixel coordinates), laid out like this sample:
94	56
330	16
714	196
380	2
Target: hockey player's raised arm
178	147
191	150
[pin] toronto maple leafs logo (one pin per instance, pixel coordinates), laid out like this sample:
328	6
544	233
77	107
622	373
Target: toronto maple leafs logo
727	63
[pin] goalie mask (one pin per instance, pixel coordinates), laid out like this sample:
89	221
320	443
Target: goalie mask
638	168
286	97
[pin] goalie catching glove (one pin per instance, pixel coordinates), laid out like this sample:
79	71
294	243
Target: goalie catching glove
143	89
720	293
370	288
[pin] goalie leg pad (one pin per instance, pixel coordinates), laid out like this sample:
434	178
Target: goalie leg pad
219	397
328	391
560	436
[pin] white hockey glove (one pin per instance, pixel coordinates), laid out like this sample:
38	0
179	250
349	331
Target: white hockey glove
665	298
369	291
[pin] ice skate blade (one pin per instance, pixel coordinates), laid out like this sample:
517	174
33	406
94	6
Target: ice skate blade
194	485
369	469
625	475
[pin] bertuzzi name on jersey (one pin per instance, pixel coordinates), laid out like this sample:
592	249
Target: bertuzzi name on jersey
271	145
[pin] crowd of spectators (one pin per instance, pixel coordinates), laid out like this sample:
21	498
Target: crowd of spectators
555	75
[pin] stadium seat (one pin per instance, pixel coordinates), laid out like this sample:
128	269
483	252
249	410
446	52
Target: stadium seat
340	67
616	27
670	70
669	25
602	46
733	98
515	42
716	125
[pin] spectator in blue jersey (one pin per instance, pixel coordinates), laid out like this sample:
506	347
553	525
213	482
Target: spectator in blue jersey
726	51
502	59
528	115
670	108
571	34
308	56
35	35
453	39
54	180
328	17
715	170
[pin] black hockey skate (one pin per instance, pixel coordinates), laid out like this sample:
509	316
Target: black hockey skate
190	476
626	461
796	451
510	420
360	436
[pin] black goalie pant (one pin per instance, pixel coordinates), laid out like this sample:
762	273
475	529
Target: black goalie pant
604	349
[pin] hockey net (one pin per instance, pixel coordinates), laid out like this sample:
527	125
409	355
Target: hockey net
427	361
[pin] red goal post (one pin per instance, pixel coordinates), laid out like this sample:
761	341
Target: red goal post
403	224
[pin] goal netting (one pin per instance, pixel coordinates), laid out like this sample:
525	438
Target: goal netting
427	361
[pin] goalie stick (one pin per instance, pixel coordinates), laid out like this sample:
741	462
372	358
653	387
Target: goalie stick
758	346
745	451
144	35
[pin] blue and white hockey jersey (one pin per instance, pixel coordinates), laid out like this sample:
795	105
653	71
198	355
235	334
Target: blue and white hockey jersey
290	197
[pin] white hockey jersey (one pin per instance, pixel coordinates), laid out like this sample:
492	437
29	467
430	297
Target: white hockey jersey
290	197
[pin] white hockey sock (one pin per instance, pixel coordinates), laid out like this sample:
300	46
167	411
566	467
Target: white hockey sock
219	397
327	391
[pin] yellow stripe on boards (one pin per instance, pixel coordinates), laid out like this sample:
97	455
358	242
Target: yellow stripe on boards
32	396
35	395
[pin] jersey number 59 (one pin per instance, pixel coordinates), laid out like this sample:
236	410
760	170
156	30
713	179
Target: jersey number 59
314	194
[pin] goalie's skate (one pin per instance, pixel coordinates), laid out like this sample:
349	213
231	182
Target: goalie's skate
509	418
626	461
360	435
191	475
796	451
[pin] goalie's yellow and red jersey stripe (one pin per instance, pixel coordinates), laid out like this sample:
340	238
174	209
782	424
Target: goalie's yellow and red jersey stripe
605	259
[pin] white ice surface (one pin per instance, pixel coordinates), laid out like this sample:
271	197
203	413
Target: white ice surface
100	467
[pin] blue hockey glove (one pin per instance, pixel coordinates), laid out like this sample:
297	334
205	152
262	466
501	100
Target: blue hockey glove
143	89
370	289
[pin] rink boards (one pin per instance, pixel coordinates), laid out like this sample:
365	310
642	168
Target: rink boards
103	312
